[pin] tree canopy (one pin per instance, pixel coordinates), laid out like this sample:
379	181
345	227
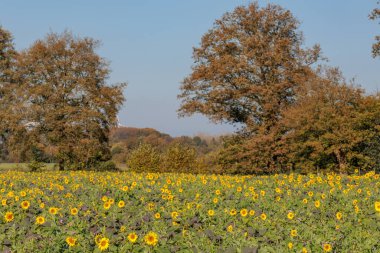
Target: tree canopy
65	106
325	129
251	68
7	95
247	67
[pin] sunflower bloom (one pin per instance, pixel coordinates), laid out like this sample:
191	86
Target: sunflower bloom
151	238
107	205
327	247
25	204
74	211
53	210
132	237
103	243
71	241
377	206
40	220
243	212
9	216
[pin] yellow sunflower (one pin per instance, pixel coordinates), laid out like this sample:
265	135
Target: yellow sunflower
243	212
9	216
74	211
132	237
174	215
377	206
40	220
25	204
103	243
71	241
327	247
53	210
107	205
121	204
151	238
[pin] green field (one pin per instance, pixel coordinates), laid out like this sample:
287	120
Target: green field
23	166
81	211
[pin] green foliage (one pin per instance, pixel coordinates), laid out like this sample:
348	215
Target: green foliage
126	139
144	158
105	166
116	150
179	158
114	205
36	166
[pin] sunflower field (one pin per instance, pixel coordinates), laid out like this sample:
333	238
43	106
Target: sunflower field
83	211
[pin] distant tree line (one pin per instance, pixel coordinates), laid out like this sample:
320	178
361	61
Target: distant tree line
146	149
124	140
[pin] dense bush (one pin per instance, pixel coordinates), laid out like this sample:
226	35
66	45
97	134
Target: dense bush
144	158
35	165
178	158
105	166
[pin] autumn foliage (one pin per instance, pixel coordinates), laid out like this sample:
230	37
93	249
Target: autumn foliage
58	107
252	70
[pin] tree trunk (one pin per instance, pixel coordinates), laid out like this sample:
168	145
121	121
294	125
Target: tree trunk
60	165
342	163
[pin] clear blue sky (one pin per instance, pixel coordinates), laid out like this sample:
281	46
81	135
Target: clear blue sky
149	44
